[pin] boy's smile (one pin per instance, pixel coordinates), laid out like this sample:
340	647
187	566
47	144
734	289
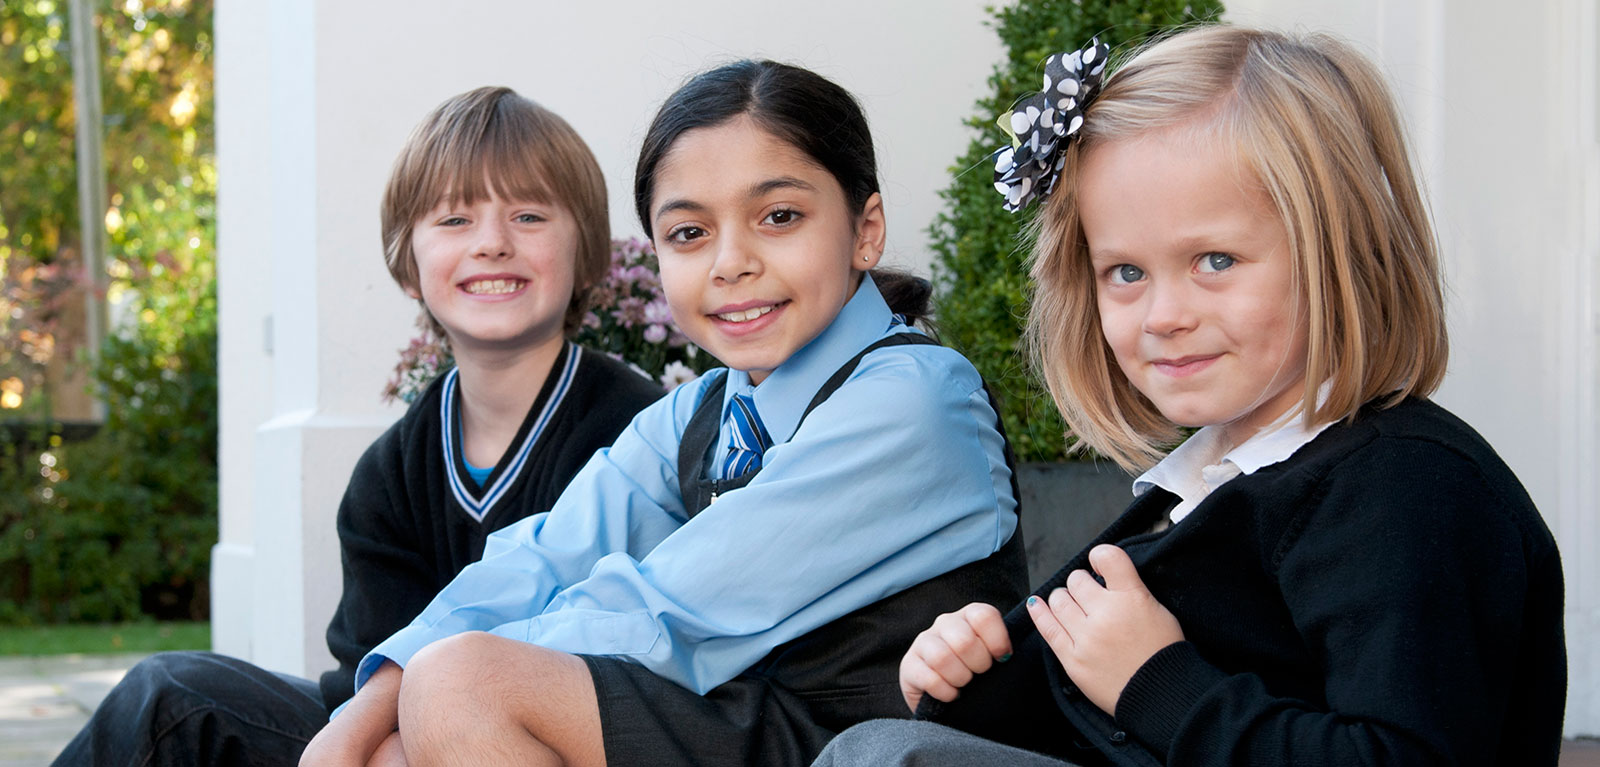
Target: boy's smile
1193	278
494	285
758	247
496	274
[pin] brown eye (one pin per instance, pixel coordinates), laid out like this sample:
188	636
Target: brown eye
783	217
684	234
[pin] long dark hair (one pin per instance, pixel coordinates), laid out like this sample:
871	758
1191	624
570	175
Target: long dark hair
799	106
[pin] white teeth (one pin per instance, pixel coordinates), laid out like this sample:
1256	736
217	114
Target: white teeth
493	287
746	315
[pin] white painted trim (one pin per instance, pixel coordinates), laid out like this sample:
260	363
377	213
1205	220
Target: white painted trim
1578	54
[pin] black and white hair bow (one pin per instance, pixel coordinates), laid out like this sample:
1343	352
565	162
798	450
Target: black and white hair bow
1041	125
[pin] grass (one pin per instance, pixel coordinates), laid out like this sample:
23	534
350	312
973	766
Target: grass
104	638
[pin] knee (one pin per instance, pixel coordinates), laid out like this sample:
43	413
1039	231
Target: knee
880	741
166	676
449	676
455	662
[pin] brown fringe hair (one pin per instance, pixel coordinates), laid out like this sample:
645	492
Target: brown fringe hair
493	138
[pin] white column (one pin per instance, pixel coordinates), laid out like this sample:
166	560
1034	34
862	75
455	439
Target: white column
244	269
1577	54
311	323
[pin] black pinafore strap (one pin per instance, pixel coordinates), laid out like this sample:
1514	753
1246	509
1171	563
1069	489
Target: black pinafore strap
847	671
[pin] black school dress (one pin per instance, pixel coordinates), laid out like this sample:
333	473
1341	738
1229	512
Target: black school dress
785	709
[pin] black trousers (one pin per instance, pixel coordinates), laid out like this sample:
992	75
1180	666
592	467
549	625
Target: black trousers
198	708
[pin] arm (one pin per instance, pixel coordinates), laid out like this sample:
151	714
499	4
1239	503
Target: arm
1407	577
387	580
894	479
891	481
352	738
624	499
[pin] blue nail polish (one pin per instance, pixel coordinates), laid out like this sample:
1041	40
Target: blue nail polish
1005	657
1033	601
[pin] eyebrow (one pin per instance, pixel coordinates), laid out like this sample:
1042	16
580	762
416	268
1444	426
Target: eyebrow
756	190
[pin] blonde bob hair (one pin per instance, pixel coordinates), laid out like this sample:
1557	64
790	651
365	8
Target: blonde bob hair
1315	123
494	139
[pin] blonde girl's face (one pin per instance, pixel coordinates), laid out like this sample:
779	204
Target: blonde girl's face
758	247
1192	272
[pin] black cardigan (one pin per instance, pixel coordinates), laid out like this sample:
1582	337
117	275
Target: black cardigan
402	534
1388	595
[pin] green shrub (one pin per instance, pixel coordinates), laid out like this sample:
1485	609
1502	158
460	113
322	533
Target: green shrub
979	259
121	524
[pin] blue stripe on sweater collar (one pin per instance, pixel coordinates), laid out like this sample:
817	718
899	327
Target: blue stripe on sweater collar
479	508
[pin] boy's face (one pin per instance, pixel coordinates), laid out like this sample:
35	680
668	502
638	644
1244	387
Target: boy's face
758	248
497	274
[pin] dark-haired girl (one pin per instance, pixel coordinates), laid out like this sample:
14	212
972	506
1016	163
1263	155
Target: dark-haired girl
734	580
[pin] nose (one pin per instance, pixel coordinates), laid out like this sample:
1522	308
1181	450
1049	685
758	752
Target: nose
1169	308
736	259
494	241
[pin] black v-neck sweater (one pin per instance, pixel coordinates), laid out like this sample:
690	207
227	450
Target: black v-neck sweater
402	533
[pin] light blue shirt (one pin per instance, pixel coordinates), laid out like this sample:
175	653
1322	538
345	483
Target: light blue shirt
896	478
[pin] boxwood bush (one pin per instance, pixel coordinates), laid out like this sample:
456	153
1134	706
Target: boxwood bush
120	525
980	265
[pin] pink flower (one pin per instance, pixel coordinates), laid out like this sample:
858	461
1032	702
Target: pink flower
658	312
629	312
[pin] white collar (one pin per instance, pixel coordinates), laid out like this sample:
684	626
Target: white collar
1204	462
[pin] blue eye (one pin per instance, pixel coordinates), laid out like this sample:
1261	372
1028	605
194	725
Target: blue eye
529	218
1215	262
1125	274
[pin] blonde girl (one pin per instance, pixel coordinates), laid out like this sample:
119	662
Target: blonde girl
1332	569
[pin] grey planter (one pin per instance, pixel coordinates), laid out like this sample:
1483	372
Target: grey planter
1064	506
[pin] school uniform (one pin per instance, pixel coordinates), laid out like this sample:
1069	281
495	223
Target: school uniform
694	621
1386	595
411	518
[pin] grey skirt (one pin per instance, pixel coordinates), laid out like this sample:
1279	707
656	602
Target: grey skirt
895	742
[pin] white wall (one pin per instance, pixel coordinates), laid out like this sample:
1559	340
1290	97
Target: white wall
1502	105
314	101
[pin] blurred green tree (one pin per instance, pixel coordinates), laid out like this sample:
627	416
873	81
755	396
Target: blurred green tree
120	523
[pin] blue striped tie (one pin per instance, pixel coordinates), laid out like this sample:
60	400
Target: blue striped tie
747	438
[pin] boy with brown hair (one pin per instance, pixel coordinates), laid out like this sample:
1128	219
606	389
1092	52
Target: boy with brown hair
495	220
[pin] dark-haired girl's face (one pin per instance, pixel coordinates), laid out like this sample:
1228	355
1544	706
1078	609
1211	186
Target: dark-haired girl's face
758	248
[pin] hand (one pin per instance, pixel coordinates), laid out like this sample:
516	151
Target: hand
1103	634
353	738
944	658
